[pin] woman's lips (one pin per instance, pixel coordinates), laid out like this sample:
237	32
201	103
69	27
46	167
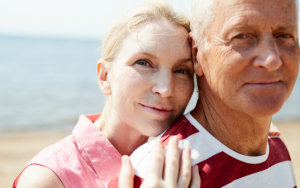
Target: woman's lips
158	110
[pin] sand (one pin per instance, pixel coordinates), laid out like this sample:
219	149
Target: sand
16	151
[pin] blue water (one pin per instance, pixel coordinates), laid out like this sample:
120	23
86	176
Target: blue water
47	83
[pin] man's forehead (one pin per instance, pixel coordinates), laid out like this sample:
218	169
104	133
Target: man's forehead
264	6
249	13
248	21
285	3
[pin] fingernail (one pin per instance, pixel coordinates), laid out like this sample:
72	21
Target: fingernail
175	139
187	149
124	160
158	140
196	169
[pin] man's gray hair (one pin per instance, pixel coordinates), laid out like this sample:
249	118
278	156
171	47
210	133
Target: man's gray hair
297	9
202	14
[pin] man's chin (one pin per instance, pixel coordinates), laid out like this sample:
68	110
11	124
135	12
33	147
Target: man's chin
263	108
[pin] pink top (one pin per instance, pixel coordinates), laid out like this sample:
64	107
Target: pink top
84	159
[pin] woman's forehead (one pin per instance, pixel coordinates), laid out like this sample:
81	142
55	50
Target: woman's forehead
158	35
162	39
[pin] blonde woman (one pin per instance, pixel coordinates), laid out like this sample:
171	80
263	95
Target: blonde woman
146	72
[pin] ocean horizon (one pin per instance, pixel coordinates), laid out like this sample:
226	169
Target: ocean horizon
47	83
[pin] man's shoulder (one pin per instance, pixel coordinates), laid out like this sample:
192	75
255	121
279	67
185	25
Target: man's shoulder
278	148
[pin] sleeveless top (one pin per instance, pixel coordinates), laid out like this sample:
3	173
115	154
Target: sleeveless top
84	159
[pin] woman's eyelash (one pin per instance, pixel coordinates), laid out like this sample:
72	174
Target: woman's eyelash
182	71
143	62
241	36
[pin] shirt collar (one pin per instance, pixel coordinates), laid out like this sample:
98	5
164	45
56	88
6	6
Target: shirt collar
105	159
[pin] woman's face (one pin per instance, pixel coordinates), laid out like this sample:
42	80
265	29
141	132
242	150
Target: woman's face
151	78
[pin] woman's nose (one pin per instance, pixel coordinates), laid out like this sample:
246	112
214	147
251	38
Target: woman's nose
268	57
163	84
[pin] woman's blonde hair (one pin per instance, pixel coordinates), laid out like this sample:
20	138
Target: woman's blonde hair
151	11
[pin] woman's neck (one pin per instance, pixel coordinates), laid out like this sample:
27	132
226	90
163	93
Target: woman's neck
121	135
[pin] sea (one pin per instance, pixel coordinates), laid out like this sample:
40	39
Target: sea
47	83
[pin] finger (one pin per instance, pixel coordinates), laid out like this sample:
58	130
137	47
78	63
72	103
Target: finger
126	174
156	160
196	180
271	133
172	162
274	131
184	177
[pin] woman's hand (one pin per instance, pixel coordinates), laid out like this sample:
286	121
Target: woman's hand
171	175
274	131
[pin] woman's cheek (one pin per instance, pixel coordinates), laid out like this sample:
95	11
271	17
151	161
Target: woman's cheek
185	88
130	84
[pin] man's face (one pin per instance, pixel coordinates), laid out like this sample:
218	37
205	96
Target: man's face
253	60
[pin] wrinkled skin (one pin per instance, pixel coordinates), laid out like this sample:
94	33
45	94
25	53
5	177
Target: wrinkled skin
248	72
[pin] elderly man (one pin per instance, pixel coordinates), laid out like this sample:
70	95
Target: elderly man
246	56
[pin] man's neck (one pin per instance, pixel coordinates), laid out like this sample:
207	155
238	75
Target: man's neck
238	131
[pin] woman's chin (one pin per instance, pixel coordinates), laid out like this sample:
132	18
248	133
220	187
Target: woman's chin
154	128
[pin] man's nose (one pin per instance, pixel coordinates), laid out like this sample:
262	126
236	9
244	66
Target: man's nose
163	84
268	55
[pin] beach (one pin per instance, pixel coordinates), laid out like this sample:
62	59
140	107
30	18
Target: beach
17	150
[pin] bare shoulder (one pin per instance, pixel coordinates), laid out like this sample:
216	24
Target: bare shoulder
39	177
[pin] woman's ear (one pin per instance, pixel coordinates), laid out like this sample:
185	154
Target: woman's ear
102	76
197	56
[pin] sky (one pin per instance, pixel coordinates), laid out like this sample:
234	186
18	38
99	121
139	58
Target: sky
85	19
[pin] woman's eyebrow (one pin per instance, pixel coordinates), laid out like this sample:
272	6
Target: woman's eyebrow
149	55
184	60
179	61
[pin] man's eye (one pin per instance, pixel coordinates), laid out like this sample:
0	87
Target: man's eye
241	36
143	63
182	71
286	36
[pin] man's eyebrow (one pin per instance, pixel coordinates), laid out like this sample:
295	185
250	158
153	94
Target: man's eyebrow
242	26
284	27
281	27
238	26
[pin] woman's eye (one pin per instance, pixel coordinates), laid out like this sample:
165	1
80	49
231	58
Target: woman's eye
143	63
182	71
241	36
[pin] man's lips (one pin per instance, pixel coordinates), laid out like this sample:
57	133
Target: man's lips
266	86
264	82
158	110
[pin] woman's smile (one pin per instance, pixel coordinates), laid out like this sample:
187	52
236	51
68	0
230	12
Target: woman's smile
151	78
158	110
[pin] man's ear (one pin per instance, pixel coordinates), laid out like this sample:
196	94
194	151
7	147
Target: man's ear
103	79
197	55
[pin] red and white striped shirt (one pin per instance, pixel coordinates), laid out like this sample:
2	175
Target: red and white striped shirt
220	166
